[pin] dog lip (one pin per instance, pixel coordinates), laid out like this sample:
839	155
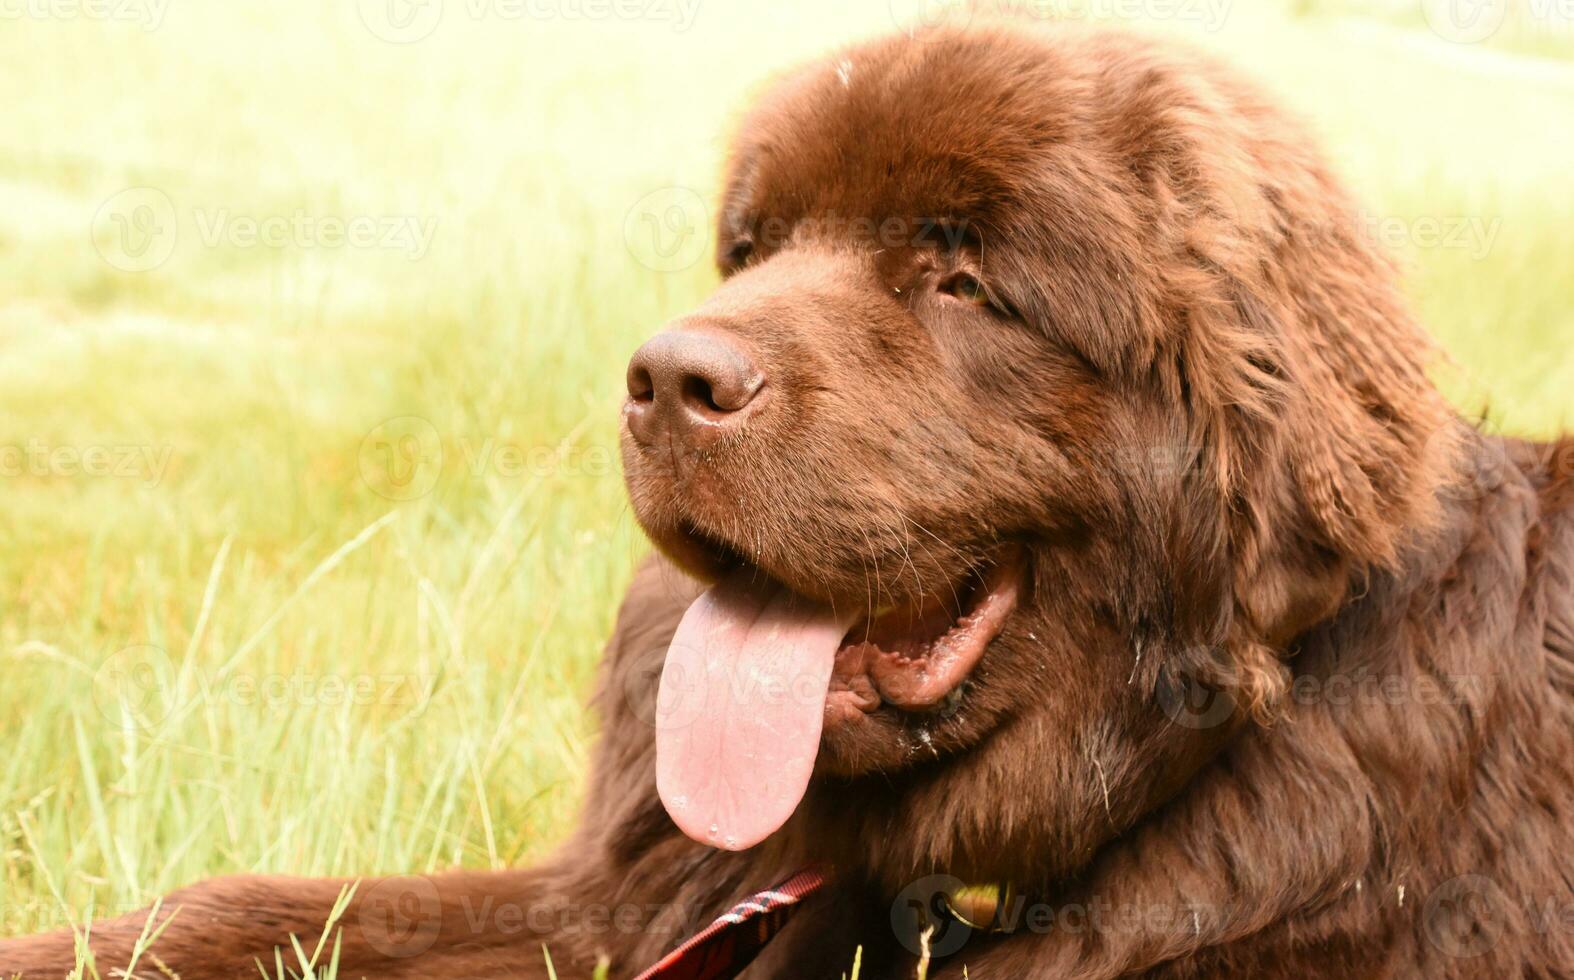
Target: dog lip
705	556
914	661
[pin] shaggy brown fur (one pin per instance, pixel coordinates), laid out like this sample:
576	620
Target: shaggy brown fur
1291	689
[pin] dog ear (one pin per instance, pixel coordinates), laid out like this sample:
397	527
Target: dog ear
1328	443
1233	579
1324	446
1371	439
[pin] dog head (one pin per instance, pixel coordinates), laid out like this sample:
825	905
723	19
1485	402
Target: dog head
1050	392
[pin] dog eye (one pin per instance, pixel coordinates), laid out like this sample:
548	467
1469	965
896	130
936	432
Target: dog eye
739	254
967	289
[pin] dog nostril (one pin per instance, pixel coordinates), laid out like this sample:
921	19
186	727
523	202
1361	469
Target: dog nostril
641	387
697	391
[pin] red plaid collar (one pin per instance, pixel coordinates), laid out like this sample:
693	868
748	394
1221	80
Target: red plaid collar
729	944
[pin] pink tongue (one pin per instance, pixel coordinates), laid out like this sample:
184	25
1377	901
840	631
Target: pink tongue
739	711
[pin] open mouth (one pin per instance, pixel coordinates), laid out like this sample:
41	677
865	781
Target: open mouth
916	657
756	670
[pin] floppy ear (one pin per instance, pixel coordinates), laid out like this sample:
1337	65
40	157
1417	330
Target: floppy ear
1369	442
1286	577
1234	585
1323	444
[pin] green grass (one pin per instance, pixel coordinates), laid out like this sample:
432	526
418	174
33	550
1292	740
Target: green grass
170	638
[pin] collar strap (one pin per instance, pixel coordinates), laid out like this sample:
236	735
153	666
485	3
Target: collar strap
726	946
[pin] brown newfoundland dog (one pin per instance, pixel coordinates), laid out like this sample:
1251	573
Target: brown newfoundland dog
1077	567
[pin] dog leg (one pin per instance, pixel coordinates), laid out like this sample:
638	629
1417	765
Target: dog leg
471	924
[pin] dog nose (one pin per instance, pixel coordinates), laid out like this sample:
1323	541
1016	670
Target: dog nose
691	385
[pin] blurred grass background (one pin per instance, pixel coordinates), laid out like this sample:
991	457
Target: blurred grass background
172	638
